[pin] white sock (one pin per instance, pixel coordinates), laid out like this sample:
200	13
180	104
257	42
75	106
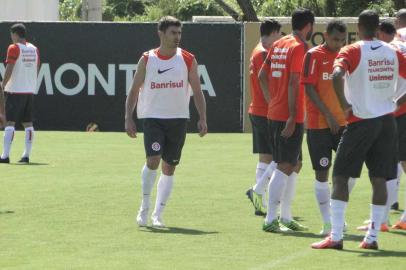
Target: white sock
287	197
377	212
337	219
148	177
262	183
261	168
351	184
403	218
322	191
29	137
8	139
164	190
275	191
391	186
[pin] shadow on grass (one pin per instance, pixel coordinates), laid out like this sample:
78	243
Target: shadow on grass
30	164
176	230
348	237
3	212
403	233
377	253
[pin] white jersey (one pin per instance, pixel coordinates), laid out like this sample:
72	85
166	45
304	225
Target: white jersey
24	76
371	85
165	93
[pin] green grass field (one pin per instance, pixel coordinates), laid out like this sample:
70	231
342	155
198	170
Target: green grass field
75	207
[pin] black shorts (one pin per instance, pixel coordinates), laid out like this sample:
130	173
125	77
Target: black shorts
19	107
165	137
373	141
261	138
401	123
321	144
286	150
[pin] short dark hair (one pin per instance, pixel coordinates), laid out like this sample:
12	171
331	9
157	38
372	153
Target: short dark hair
18	29
336	25
401	15
369	20
387	27
269	26
167	21
301	17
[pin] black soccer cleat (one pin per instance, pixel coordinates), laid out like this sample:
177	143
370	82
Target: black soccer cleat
5	160
24	160
395	206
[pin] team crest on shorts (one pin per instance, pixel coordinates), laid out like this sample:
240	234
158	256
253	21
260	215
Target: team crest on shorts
156	146
324	162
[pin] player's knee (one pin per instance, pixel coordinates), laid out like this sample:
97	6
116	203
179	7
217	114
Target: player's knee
168	169
286	168
153	162
27	124
10	124
321	176
265	158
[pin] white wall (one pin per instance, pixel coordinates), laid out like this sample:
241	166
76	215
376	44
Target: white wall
30	10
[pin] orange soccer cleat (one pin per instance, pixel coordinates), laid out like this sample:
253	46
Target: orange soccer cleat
365	245
400	225
328	243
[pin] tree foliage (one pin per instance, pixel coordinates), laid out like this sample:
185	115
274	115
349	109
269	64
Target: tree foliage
151	10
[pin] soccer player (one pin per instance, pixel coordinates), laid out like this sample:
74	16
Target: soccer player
325	118
400	23
373	70
281	73
399	41
386	33
161	93
19	84
270	32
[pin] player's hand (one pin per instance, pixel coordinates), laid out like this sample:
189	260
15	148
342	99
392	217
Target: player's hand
332	124
348	112
202	127
290	127
130	128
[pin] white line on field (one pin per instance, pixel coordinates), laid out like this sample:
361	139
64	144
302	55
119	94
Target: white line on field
275	263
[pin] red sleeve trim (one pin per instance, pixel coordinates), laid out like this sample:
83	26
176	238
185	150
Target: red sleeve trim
188	57
13	52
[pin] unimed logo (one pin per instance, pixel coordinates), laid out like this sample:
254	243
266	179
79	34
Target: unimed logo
87	79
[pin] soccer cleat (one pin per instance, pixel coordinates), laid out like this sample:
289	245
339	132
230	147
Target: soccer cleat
293	225
328	243
157	222
24	160
365	245
256	200
142	217
326	230
364	228
395	206
400	225
275	227
5	160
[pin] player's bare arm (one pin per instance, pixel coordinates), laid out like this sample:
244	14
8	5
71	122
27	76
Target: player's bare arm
293	91
132	98
198	98
315	98
7	75
338	84
2	108
263	82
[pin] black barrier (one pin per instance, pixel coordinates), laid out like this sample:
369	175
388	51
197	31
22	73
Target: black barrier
87	68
